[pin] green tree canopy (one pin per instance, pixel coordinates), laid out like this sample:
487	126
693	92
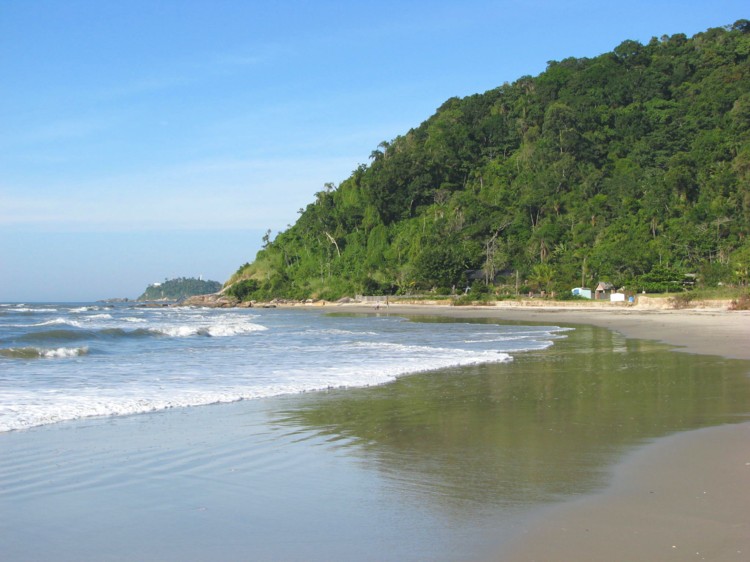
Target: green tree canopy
623	166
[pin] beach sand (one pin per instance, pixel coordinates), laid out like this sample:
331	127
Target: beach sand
682	497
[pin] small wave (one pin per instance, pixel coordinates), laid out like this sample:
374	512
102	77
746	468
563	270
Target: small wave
121	333
58	335
28	309
390	346
339	332
81	309
65	352
508	338
439	357
76	335
40	353
57	322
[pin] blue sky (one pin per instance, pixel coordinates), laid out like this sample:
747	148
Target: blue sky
146	140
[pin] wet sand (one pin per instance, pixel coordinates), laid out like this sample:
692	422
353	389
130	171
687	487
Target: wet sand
682	497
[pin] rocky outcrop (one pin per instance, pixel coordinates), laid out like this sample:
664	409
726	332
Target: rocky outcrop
214	300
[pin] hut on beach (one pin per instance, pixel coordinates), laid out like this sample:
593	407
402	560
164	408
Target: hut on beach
603	290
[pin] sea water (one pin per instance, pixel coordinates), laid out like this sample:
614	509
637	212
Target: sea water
347	437
61	362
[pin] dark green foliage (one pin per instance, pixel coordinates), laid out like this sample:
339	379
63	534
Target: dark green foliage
243	290
599	168
660	279
180	288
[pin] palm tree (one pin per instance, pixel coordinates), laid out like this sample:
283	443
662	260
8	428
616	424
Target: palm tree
541	276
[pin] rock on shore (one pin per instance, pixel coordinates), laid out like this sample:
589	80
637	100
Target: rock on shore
213	300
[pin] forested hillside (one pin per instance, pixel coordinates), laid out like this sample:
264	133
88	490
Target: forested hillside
631	167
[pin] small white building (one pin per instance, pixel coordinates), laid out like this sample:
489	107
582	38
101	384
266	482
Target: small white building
582	292
617	297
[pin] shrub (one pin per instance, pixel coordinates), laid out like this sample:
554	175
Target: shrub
740	303
682	300
243	290
479	288
463	300
661	279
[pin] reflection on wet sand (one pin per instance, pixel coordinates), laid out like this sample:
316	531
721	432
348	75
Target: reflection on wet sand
544	427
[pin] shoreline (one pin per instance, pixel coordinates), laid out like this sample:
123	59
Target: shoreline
683	496
711	331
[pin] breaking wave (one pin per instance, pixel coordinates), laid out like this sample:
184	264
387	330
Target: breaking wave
88	362
214	330
41	353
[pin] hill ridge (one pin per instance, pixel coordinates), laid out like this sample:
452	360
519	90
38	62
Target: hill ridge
631	167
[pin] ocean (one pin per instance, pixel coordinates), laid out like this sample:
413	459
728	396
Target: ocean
133	433
61	362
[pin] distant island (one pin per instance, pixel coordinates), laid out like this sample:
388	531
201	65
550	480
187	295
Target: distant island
180	288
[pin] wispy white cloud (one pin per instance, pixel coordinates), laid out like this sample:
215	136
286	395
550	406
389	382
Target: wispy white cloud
221	193
165	79
250	54
59	130
116	213
180	74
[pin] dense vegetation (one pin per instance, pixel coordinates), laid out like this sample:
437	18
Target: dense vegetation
180	288
631	167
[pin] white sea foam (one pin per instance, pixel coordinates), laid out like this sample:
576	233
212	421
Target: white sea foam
219	329
64	352
336	332
55	322
84	309
102	316
40	410
233	330
388	362
299	352
37	352
402	359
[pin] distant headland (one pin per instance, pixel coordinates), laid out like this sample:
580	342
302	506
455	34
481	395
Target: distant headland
178	289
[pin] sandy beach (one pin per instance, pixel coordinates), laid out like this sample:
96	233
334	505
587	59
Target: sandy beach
682	497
